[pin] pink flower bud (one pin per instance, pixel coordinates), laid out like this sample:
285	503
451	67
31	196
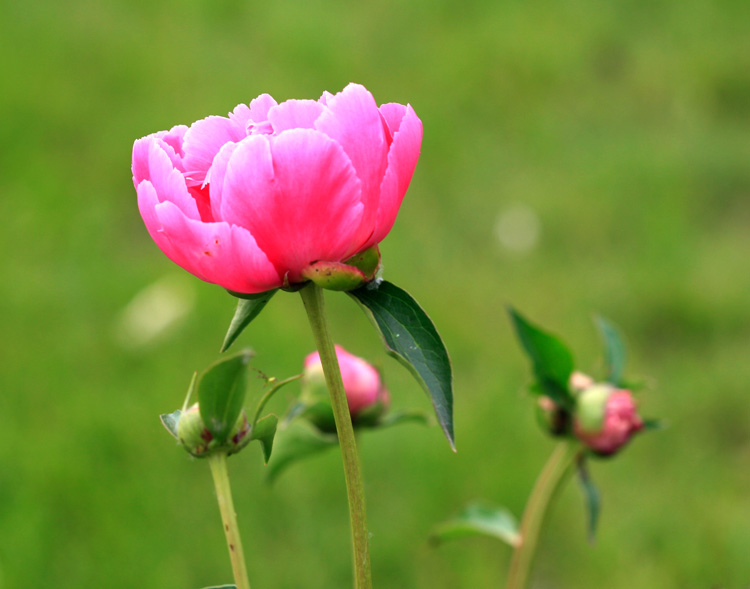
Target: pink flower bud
362	382
278	194
606	418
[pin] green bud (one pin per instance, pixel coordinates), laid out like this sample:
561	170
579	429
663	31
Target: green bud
194	436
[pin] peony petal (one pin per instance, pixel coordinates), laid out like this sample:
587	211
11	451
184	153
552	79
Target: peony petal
215	178
147	201
294	114
152	163
393	113
353	120
298	195
203	140
260	106
216	252
402	159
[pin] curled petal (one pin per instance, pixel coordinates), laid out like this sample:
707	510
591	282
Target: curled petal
353	120
295	114
152	163
216	252
203	141
299	196
402	159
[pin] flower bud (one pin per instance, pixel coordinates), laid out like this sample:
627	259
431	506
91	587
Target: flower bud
362	384
196	439
606	418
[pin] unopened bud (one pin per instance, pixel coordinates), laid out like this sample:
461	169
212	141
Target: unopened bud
606	418
198	440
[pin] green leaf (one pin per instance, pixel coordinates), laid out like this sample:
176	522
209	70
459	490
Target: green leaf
392	418
551	360
222	587
297	441
264	431
170	421
479	520
221	394
614	350
653	425
248	308
591	497
410	337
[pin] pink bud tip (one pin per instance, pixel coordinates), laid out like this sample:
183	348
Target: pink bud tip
620	422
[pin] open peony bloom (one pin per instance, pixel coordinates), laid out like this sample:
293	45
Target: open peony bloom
606	418
250	201
362	382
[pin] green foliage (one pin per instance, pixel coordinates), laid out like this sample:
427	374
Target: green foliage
248	308
478	519
221	394
551	360
410	336
614	351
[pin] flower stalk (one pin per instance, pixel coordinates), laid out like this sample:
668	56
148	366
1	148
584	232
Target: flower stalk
550	479
218	464
312	297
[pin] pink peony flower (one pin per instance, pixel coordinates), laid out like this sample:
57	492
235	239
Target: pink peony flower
249	201
362	382
617	420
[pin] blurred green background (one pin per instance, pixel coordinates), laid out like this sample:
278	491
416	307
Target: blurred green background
579	157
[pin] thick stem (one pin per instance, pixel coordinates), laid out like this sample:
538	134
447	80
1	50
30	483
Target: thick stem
218	464
312	297
549	480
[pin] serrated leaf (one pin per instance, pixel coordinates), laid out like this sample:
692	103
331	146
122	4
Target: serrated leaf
170	421
297	441
480	520
221	394
410	337
551	360
614	350
248	308
591	497
264	431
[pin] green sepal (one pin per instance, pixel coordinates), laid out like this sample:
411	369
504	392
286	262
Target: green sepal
653	425
367	261
410	336
551	360
591	496
334	275
221	394
614	350
264	431
478	519
248	308
170	421
392	418
300	439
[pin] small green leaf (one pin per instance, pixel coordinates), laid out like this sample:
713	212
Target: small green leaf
479	520
591	497
170	421
221	394
614	350
410	337
653	425
264	431
248	308
392	418
551	360
295	442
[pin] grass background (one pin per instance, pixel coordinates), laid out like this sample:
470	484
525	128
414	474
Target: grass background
620	128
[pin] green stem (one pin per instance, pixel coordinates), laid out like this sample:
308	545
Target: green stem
218	464
549	480
275	386
312	297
